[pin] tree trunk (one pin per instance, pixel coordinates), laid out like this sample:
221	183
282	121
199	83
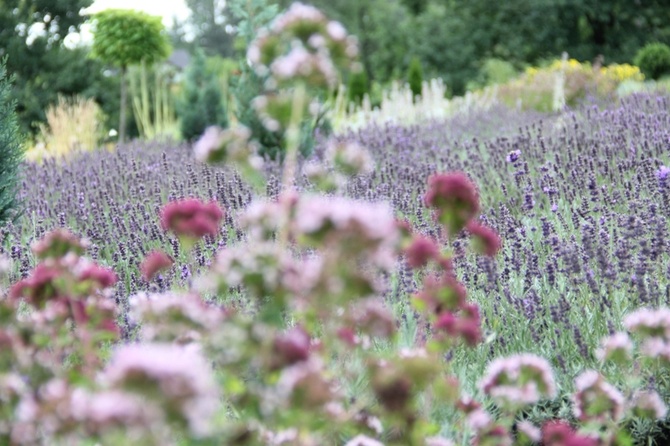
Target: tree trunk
122	114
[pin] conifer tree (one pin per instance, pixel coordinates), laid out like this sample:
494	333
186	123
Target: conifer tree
202	102
11	152
358	86
415	76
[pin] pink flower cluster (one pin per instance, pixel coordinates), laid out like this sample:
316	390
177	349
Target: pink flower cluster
303	44
174	317
648	404
559	433
465	324
177	378
455	200
653	329
519	380
227	146
617	348
58	243
347	226
67	280
595	399
261	267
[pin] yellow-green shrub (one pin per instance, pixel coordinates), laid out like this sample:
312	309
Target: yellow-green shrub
538	86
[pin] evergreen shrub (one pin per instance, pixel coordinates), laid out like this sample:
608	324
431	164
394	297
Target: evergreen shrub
654	60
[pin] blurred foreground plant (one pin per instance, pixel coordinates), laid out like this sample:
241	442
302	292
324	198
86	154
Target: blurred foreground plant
294	61
277	371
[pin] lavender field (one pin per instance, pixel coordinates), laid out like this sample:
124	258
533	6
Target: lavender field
580	199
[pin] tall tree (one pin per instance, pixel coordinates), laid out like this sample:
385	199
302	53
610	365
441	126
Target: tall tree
211	22
123	38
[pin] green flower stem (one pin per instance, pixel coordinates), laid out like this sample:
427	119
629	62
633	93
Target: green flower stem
290	160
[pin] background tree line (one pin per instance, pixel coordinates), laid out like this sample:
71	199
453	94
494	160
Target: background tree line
452	39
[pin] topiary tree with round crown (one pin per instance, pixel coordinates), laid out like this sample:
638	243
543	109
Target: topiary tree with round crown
654	60
123	38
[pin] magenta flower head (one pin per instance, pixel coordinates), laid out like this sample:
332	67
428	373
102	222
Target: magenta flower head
559	433
291	347
154	262
191	218
465	325
94	273
485	240
39	287
455	199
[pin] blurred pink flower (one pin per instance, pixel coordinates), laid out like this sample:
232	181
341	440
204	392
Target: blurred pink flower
617	347
648	404
58	243
191	217
154	262
455	199
421	250
104	277
519	380
487	241
179	377
595	399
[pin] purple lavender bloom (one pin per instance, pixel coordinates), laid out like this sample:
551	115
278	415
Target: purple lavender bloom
513	156
662	174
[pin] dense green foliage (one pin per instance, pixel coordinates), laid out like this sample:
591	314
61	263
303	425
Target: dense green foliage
654	60
10	148
202	100
415	76
123	38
